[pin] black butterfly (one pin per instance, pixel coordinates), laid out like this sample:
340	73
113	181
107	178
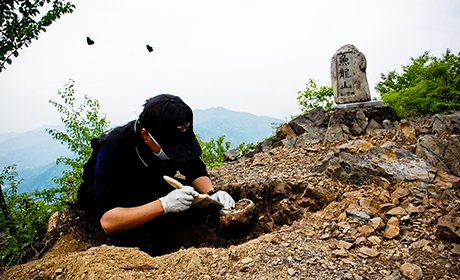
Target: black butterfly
149	48
89	41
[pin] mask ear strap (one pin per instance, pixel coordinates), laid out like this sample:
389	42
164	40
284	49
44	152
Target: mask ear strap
137	151
135	126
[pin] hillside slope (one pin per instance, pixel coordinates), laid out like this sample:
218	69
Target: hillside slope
367	205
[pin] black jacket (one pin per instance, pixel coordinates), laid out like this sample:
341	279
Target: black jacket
125	173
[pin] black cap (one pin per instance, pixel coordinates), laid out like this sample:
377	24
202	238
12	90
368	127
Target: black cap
170	121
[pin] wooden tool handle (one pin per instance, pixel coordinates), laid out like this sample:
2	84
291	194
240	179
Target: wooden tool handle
201	201
173	182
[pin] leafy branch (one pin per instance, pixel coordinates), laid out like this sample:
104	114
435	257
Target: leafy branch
19	26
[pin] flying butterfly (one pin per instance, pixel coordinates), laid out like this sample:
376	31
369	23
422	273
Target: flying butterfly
149	48
89	41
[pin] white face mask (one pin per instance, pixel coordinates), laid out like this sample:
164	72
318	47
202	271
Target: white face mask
161	155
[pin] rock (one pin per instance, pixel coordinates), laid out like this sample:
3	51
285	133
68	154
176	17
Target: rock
453	121
318	116
264	146
391	277
411	271
377	223
374	128
288	142
386	207
360	240
247	260
420	244
407	129
397	211
314	122
411	209
320	194
455	249
232	155
358	213
449	228
355	146
442	154
374	240
366	230
359	123
432	149
386	124
399	193
291	271
285	131
259	159
342	253
357	161
335	131
194	263
445	124
368	252
348	75
344	245
344	227
439	126
307	139
392	228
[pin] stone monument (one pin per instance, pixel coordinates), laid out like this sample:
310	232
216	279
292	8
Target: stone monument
348	74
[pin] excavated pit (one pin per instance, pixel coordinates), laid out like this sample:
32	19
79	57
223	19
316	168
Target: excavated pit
275	203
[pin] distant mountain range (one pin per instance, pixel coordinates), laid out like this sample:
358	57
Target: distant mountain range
35	152
237	127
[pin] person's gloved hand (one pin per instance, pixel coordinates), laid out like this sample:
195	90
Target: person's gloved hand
224	198
178	200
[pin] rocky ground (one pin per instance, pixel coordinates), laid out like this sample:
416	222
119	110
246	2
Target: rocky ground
364	206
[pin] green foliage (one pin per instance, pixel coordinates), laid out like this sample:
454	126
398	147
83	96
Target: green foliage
26	215
428	85
19	26
213	151
314	96
82	124
245	148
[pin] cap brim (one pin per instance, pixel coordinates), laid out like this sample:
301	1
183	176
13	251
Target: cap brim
183	150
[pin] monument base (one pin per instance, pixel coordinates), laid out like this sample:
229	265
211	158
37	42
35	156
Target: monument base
358	104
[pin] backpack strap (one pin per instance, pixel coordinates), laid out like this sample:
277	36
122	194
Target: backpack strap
85	194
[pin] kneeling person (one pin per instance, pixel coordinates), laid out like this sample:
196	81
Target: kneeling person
131	194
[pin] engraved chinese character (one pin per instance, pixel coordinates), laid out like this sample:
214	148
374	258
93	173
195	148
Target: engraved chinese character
345	85
344	73
343	60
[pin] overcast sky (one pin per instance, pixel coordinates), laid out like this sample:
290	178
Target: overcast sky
248	56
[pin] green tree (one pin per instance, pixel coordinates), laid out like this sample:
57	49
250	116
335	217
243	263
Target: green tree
314	96
23	216
428	85
8	174
19	24
82	123
213	151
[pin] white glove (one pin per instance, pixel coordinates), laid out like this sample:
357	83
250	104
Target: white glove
224	198
178	200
